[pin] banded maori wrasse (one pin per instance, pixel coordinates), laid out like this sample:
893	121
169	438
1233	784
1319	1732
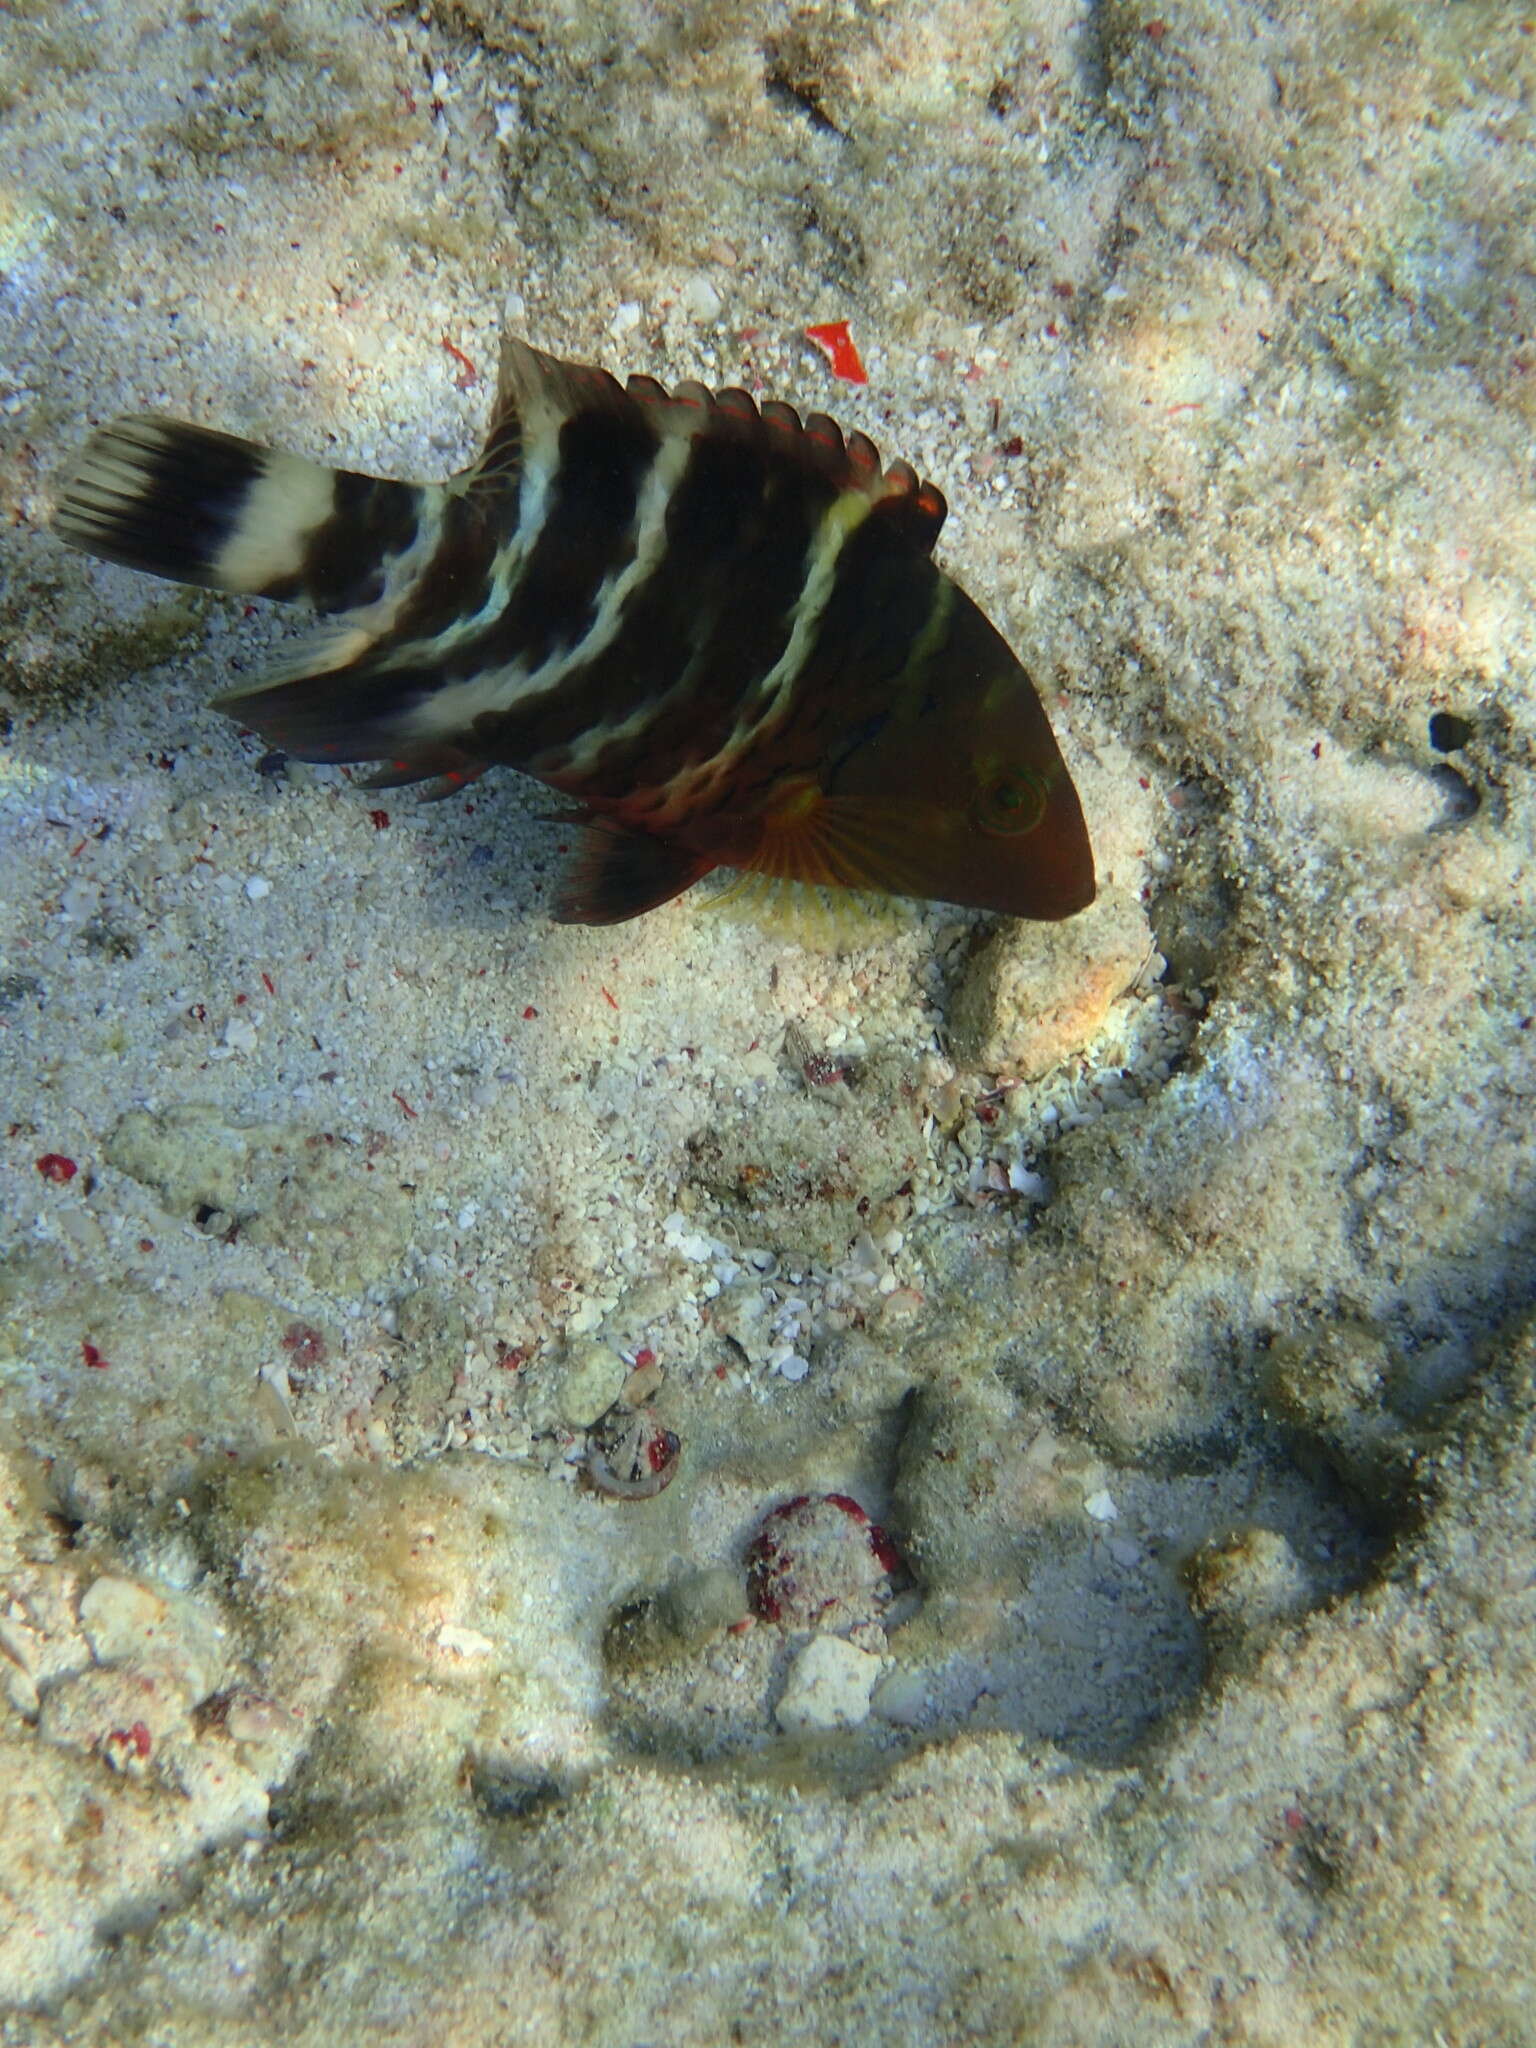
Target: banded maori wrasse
717	628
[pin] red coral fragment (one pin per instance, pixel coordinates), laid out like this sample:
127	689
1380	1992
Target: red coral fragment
55	1167
818	1559
305	1348
837	345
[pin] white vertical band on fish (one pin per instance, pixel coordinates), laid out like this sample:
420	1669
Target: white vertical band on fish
458	705
771	698
283	508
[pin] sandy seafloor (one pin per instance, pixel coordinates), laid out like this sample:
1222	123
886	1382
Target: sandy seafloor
1162	1282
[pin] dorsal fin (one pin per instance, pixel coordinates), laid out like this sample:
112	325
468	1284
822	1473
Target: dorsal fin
539	389
826	433
535	393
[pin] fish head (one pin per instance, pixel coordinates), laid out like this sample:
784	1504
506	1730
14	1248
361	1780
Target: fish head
959	793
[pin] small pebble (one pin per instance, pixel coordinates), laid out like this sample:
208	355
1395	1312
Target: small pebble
829	1686
699	299
901	1697
591	1382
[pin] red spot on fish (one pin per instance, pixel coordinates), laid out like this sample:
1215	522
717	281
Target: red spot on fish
92	1356
55	1167
837	345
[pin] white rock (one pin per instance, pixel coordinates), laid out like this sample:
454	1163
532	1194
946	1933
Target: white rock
464	1642
128	1622
1100	1507
699	299
592	1381
829	1686
239	1037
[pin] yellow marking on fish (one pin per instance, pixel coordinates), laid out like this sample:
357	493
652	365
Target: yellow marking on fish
455	706
403	572
329	647
929	641
280	512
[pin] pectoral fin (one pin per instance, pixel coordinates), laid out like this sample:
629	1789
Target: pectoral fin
833	842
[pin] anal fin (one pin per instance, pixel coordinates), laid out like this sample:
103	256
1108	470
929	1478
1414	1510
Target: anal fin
451	769
615	873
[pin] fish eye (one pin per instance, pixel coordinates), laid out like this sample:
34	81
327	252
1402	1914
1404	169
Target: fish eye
1012	801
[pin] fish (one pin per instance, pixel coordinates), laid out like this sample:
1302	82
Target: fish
715	628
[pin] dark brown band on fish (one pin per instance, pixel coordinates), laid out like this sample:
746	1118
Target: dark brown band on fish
372	521
880	601
586	536
455	582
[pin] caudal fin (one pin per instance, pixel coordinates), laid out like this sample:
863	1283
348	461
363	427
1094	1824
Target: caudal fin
203	507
